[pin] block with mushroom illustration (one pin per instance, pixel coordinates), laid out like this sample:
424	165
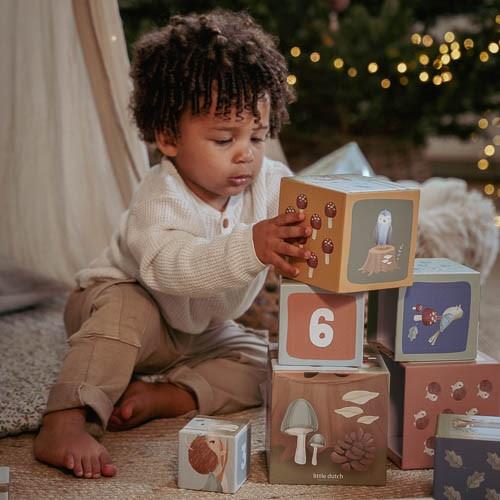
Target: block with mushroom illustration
214	454
420	391
467	459
363	231
435	319
318	327
328	425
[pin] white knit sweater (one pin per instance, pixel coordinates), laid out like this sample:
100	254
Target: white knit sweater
198	263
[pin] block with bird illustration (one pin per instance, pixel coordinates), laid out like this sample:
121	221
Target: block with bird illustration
364	231
435	319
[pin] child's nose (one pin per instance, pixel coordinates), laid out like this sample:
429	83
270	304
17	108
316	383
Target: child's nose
244	154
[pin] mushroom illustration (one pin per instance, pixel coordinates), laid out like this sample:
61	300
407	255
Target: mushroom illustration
317	441
430	445
421	420
327	248
458	391
484	389
290	210
432	391
312	262
301	202
315	224
330	212
300	419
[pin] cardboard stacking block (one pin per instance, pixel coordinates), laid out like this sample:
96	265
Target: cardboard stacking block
4	483
420	391
364	231
467	461
435	319
214	454
318	327
327	426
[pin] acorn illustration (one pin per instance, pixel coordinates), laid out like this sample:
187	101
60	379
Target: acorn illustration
312	262
433	390
315	224
484	389
458	391
327	247
330	212
430	445
421	420
356	452
290	210
302	202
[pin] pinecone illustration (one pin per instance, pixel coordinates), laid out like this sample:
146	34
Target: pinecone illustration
355	452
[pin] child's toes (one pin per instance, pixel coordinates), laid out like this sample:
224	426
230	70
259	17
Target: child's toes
78	468
127	410
96	467
87	466
69	461
107	466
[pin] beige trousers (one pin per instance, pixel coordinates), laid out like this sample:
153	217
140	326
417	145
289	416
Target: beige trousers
115	329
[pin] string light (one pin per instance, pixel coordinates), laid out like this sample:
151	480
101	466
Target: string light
385	83
291	79
496	140
483	56
489	189
437	64
315	57
445	59
427	40
437	80
497	218
456	54
416	38
447	76
295	51
468	43
455	46
493	47
402	67
496	121
489	150
449	36
424	59
338	63
443	48
497	18
403	80
482	123
424	76
352	72
483	164
373	67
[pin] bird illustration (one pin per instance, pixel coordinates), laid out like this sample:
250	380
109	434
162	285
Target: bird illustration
383	228
421	420
458	391
449	315
484	389
432	391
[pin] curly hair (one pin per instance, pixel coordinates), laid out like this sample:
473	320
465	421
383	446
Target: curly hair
177	67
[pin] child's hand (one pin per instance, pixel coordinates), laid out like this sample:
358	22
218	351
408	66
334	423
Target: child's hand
270	241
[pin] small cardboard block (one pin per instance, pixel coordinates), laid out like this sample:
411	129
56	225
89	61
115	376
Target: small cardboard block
467	461
4	483
318	327
420	391
326	425
435	319
214	454
364	231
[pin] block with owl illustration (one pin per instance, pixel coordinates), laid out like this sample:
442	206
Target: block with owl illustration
214	454
420	391
318	327
364	231
467	459
435	319
327	425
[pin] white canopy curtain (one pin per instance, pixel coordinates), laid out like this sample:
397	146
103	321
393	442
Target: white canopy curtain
69	156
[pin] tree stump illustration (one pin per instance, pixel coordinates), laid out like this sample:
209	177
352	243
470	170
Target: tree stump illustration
380	259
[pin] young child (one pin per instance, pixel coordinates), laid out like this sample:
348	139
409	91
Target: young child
191	252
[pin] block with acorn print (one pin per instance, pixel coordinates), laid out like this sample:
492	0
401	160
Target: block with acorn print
363	231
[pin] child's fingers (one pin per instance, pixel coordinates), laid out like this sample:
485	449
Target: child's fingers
292	232
290	250
283	267
290	218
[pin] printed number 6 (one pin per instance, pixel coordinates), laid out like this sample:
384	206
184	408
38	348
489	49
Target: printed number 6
321	335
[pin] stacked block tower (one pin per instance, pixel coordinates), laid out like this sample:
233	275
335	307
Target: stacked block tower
328	395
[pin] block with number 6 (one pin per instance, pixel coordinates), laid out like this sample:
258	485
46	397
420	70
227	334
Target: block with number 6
318	327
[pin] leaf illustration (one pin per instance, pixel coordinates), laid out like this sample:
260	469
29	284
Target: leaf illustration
494	461
359	397
349	411
367	419
492	494
453	459
475	480
451	493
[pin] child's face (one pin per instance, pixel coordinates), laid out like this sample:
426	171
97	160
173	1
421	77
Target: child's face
216	157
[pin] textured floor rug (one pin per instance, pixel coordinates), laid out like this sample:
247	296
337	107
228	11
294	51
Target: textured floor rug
32	345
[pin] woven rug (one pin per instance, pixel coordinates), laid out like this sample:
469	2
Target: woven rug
32	345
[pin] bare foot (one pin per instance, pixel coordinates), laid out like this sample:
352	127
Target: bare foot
143	401
64	442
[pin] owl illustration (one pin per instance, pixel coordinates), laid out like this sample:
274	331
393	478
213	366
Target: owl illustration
383	228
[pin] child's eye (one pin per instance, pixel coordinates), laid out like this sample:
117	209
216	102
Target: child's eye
257	139
222	142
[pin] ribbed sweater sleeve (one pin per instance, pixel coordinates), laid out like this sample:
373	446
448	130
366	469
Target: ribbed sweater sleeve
173	261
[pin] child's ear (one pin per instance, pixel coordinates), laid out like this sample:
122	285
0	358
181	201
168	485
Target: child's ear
166	144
